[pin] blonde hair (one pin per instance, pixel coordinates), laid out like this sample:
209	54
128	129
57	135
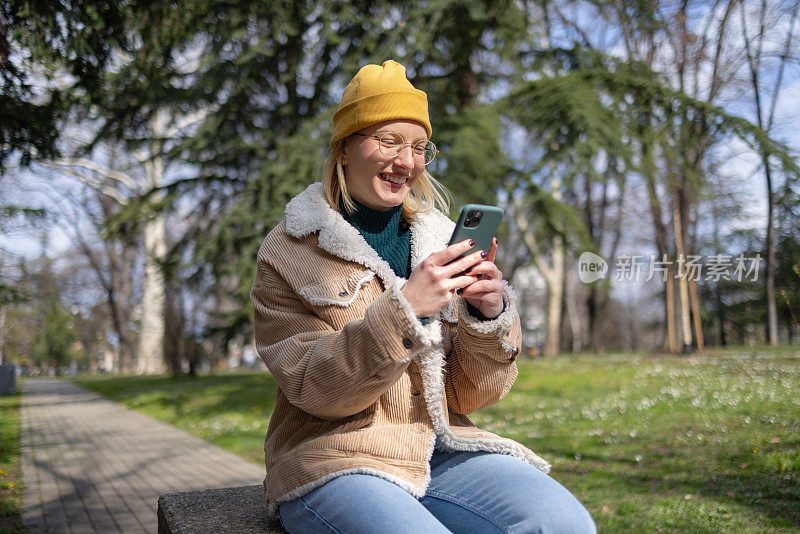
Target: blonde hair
426	193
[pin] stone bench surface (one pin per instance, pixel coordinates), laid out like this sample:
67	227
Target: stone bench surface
240	510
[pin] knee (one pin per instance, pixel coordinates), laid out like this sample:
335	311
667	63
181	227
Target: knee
576	523
566	516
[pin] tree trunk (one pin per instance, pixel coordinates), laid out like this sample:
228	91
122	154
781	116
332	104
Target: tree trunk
572	300
118	293
555	299
175	343
698	320
593	298
669	291
151	338
552	273
683	287
2	334
769	282
720	315
660	231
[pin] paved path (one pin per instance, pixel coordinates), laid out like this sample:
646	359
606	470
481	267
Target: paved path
92	465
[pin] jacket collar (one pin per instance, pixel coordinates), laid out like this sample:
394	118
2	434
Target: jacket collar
309	212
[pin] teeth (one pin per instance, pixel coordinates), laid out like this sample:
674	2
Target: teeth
394	179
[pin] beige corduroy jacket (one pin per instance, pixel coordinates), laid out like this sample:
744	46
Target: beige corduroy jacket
363	385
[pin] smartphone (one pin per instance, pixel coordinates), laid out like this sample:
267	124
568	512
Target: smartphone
478	222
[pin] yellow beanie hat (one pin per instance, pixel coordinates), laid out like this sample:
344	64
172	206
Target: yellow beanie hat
377	94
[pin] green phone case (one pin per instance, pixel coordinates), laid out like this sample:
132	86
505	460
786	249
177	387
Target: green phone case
483	232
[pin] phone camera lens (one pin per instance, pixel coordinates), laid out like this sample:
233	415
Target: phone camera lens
473	218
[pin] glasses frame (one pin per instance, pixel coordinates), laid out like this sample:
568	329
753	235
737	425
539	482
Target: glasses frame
402	146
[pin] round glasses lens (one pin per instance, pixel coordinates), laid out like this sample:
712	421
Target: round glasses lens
430	152
390	144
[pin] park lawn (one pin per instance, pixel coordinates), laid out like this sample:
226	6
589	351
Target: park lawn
648	443
10	472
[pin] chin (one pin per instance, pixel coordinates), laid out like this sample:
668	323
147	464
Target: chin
388	198
389	203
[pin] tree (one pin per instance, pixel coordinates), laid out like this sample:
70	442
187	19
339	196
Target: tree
254	78
54	335
764	60
40	41
787	272
81	201
679	125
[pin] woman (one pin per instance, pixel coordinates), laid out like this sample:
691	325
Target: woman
381	342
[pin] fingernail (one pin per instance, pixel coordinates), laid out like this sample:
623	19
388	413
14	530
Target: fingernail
472	242
483	253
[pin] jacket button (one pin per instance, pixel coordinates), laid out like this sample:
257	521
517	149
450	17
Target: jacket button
407	343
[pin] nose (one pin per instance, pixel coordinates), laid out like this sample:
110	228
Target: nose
405	158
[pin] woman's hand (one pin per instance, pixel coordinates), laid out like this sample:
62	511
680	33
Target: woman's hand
486	294
432	283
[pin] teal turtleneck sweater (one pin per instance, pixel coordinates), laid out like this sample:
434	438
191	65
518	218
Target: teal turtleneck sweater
387	233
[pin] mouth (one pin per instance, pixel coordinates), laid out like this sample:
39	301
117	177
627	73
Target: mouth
394	179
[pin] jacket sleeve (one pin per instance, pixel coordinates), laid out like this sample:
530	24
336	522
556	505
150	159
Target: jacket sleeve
332	373
482	365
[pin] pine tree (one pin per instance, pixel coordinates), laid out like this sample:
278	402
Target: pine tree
240	92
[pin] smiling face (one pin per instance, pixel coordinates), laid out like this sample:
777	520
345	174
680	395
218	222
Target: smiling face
377	181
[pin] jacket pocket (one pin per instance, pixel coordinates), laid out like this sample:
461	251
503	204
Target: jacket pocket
336	291
332	427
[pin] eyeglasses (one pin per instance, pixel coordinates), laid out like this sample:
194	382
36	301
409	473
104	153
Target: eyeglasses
391	144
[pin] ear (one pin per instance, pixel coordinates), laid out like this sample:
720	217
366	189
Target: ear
343	159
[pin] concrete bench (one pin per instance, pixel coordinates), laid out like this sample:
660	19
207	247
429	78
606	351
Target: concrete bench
241	510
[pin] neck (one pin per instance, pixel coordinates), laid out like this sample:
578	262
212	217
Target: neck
387	233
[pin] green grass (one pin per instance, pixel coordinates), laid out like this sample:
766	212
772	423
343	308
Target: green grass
649	444
707	444
10	473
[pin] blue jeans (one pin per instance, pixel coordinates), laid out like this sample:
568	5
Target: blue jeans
470	492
